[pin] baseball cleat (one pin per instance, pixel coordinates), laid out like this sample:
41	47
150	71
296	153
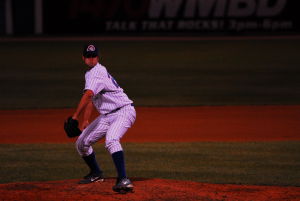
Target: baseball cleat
123	186
92	177
91	174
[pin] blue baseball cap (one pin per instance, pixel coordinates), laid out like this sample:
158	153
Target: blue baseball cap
90	51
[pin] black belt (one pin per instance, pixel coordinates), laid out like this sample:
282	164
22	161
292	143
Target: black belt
115	110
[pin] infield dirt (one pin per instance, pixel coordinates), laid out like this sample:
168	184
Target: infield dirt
146	189
165	124
183	124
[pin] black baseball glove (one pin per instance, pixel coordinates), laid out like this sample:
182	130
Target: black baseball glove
71	127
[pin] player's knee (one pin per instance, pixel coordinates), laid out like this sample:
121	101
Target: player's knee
82	148
113	146
79	147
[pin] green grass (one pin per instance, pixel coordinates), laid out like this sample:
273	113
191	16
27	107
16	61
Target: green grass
257	163
155	73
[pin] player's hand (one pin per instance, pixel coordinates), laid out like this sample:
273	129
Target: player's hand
75	117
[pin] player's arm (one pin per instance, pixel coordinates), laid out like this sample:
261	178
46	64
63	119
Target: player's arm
85	100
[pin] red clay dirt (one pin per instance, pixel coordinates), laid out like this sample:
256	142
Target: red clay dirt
145	190
165	124
180	124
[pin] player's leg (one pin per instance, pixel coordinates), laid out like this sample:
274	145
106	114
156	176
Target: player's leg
94	132
120	123
114	146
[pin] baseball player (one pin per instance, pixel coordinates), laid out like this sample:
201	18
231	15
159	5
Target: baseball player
117	114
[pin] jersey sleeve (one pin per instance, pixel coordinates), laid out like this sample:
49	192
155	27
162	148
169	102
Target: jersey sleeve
94	83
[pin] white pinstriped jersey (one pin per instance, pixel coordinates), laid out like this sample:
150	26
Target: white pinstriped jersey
108	95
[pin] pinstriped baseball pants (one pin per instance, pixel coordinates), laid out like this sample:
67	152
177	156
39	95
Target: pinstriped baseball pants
111	126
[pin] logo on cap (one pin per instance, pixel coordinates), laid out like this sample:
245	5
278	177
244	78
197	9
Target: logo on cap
91	48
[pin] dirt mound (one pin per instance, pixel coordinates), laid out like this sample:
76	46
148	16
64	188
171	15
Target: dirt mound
145	190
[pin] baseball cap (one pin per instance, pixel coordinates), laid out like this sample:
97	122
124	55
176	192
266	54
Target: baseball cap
90	51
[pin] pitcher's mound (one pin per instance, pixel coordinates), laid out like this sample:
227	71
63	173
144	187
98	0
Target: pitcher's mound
145	190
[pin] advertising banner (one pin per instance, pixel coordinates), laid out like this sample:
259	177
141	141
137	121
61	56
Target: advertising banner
174	16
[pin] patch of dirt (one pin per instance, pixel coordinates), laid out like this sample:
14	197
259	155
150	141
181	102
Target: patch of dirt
165	124
145	190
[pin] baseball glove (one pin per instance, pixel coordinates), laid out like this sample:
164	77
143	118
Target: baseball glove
71	127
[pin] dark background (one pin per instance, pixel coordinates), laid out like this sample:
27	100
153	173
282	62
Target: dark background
89	17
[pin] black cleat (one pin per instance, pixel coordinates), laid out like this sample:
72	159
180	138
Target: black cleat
123	186
91	177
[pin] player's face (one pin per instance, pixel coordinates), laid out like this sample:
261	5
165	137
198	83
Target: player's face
91	62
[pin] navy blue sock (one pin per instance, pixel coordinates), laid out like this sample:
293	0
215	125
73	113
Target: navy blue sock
118	158
90	160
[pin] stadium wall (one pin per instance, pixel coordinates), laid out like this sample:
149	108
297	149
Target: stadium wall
135	17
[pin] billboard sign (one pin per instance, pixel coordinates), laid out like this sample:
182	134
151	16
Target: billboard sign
176	16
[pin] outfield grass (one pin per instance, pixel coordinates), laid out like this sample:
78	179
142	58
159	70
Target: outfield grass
155	73
258	163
